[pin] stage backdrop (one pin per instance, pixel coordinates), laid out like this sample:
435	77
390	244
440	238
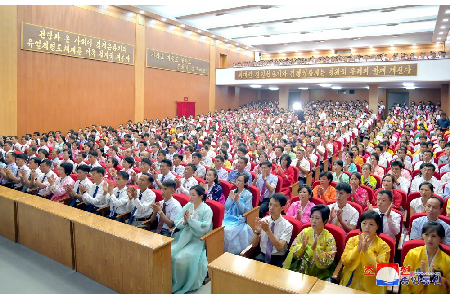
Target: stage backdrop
185	109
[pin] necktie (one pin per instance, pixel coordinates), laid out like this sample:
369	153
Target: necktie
161	223
43	179
162	179
113	210
95	192
78	188
130	220
91	207
382	217
263	189
269	246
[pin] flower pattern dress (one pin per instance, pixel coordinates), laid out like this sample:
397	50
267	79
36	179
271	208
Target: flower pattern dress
318	263
360	197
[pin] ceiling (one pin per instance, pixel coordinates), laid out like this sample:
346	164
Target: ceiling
294	28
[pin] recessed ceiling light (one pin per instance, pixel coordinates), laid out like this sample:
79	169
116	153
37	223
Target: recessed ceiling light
302	88
141	12
438	38
408	83
255	86
274	88
442	27
441	32
182	25
325	84
447	11
336	88
444	20
285	44
321	41
410	88
213	36
163	19
346	28
199	31
304	32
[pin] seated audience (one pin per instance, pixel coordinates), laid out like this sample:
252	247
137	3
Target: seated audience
117	197
343	214
266	183
140	201
338	175
358	194
56	184
390	220
325	190
185	184
301	210
212	187
366	178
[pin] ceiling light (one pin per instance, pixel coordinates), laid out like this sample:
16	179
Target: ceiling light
441	32
447	11
410	88
438	38
331	49
273	88
141	12
355	39
163	19
213	36
304	32
182	25
408	84
153	21
199	31
392	45
255	86
442	26
325	84
336	88
444	20
302	88
395	36
321	41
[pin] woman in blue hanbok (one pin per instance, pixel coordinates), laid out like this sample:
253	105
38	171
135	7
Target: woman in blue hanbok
189	253
238	234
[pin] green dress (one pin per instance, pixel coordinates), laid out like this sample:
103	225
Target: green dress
189	263
318	263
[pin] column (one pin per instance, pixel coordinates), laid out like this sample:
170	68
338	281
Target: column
212	76
139	69
373	98
236	96
8	70
445	99
304	96
283	96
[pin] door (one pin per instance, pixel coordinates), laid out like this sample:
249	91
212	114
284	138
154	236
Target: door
223	63
397	97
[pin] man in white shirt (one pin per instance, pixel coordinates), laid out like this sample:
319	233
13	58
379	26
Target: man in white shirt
184	184
92	158
222	174
166	210
74	192
206	160
140	201
427	171
95	197
427	158
177	168
343	214
200	169
164	168
390	219
21	160
26	178
273	233
117	197
302	164
41	181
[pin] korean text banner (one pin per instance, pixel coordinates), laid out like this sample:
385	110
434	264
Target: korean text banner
54	41
174	62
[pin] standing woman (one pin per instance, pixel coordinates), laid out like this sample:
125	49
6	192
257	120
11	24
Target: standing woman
301	210
313	250
188	252
238	234
212	187
359	195
365	249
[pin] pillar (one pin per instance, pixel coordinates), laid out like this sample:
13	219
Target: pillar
304	97
236	96
373	97
283	97
212	76
139	69
445	99
8	70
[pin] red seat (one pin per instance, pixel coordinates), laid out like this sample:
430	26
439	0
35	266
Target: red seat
297	226
158	194
411	244
256	194
183	199
339	237
200	180
418	215
317	201
218	212
296	174
226	187
358	168
384	237
137	170
74	177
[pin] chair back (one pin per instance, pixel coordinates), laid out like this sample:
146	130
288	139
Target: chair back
418	215
74	177
358	168
369	192
297	226
357	207
296	174
200	179
218	212
378	179
158	194
256	194
404	198
279	184
183	199
226	187
317	201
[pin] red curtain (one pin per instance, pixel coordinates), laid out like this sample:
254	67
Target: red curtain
186	109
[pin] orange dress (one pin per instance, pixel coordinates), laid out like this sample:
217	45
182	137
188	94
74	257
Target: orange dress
329	195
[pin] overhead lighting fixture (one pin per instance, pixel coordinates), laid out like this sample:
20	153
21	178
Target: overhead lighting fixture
304	32
255	86
296	106
439	38
321	41
213	36
274	88
141	12
217	41
188	32
441	32
442	27
447	11
445	20
408	84
246	47
199	31
325	84
413	44
182	25
302	88
410	88
336	88
163	19
266	36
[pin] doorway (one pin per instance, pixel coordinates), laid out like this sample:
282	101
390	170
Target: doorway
223	62
397	97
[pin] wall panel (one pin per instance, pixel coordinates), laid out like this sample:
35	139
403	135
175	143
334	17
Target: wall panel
59	93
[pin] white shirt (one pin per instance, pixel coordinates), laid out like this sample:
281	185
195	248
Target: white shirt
437	185
417	205
186	185
172	208
222	174
178	170
27	169
96	164
143	206
282	231
44	179
166	177
207	161
201	171
304	164
99	200
313	158
349	214
404	184
391	225
118	200
86	182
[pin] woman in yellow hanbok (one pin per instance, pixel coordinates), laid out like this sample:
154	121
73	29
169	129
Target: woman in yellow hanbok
313	250
363	250
429	258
